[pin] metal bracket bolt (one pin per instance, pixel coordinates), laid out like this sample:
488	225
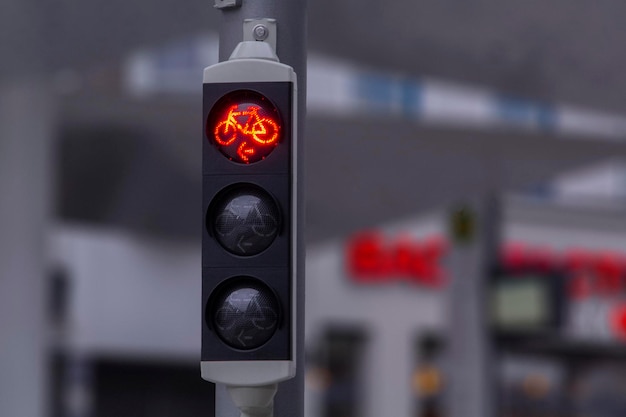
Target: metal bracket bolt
260	30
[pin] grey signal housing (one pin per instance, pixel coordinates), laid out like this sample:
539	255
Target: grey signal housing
227	359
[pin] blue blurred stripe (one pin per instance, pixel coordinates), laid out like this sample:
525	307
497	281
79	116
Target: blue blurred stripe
520	111
412	98
375	89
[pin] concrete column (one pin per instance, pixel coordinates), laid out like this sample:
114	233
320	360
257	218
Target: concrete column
390	365
26	115
472	389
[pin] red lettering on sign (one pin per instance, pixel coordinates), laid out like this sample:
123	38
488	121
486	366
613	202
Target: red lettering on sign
513	256
577	260
372	259
517	256
366	258
609	270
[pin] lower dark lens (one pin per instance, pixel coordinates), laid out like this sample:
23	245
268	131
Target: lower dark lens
244	313
245	220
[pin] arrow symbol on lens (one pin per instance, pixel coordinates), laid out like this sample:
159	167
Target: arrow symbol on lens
239	244
243	151
239	338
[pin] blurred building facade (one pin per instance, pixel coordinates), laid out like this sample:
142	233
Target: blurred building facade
124	283
376	333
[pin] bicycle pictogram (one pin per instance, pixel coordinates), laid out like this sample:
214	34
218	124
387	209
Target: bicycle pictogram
250	127
246	319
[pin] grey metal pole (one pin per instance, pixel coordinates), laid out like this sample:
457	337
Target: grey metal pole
25	195
291	49
471	356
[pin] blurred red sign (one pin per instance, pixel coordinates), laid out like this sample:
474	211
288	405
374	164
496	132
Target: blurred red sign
373	258
618	320
589	272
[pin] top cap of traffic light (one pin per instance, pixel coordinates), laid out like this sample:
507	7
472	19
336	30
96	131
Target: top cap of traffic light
245	126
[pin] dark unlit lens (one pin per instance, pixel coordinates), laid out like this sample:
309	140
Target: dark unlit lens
246	220
245	314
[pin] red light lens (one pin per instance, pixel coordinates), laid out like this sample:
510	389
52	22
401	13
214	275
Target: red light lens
245	126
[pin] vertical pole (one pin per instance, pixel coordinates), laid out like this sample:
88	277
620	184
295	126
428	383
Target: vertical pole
391	352
25	168
291	49
471	365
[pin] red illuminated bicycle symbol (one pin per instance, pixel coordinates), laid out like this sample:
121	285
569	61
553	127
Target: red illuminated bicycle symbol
254	130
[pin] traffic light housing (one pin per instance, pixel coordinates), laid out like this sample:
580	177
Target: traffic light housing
249	243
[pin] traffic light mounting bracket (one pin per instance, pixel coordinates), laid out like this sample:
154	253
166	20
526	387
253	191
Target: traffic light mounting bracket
260	30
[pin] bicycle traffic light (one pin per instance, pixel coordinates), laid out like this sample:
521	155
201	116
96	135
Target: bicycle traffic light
250	208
